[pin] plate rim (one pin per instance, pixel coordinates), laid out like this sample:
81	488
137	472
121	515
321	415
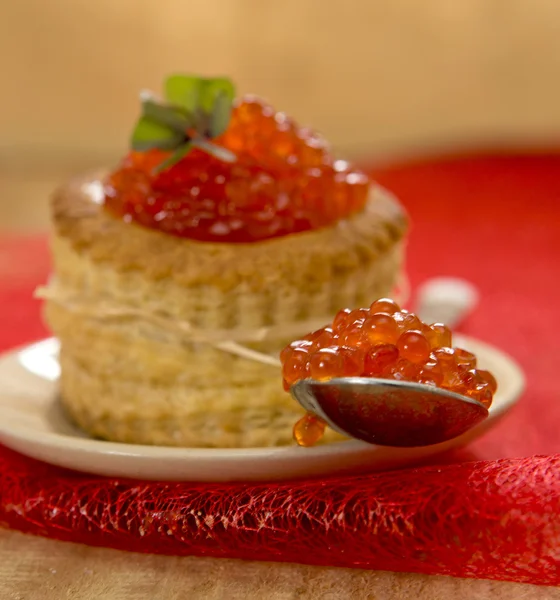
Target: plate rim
142	451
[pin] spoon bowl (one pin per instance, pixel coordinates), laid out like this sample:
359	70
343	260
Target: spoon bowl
387	412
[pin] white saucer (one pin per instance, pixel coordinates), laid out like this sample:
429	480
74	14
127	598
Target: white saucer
32	422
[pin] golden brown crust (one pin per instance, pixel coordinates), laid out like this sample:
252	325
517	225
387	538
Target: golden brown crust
310	257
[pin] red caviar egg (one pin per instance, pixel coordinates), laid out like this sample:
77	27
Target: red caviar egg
326	364
309	430
489	379
346	317
476	387
353	362
481	394
404	370
445	356
354	336
465	360
381	328
384	305
414	346
379	359
430	373
341	320
296	366
407	321
439	335
288	350
321	338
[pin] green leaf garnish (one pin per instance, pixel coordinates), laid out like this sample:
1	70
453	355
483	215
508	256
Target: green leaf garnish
212	89
184	91
149	134
195	110
220	116
171	116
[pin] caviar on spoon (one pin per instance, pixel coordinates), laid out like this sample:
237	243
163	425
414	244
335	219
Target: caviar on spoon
383	376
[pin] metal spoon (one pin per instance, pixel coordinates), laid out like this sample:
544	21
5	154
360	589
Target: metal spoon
400	413
386	412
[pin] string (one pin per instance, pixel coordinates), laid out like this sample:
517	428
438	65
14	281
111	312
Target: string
226	340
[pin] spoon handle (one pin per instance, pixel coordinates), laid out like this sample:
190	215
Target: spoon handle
446	300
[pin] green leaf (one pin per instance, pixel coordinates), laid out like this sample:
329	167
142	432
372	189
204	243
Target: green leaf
184	91
219	119
191	103
213	89
181	152
149	134
167	115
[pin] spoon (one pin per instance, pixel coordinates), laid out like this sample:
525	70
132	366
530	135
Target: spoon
394	413
386	412
445	300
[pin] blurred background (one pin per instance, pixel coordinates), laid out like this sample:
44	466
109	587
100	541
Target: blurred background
380	78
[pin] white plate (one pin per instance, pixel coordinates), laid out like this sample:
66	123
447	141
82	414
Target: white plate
32	422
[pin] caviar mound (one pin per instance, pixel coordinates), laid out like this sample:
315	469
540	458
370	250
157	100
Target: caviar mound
385	342
285	180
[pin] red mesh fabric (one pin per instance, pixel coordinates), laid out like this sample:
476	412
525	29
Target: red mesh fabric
496	519
494	220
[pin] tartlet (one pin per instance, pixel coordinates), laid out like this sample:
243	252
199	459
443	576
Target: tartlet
157	330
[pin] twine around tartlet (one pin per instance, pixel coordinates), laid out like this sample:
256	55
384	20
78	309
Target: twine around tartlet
227	340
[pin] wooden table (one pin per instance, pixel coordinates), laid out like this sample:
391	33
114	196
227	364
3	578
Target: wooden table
35	568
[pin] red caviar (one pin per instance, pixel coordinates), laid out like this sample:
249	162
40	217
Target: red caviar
284	181
384	342
309	430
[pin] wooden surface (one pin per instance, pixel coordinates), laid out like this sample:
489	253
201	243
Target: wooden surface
37	569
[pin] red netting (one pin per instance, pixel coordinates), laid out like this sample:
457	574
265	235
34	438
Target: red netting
469	517
496	519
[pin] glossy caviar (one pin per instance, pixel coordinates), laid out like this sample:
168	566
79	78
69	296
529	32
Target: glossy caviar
284	181
309	430
386	342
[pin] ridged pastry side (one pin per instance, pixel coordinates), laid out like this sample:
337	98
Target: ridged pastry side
257	414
